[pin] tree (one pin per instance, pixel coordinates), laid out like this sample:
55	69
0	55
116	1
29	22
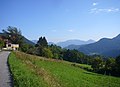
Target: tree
71	55
110	65
118	65
47	53
42	42
41	46
97	64
39	42
13	35
56	51
32	50
118	61
1	43
26	47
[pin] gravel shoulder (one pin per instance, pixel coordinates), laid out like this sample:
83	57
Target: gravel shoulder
5	77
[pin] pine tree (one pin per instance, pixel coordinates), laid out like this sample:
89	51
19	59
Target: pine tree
42	42
39	42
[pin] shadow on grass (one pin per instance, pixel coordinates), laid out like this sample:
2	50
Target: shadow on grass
11	83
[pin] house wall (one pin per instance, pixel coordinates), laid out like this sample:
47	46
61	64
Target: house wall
15	46
12	46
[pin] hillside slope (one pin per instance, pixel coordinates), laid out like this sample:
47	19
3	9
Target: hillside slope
36	71
105	46
28	41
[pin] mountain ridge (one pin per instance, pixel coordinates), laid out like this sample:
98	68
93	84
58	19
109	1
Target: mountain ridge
74	42
103	47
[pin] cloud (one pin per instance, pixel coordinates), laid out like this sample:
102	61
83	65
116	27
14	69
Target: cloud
105	10
94	4
70	30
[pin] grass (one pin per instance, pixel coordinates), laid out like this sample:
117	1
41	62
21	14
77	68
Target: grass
23	75
33	71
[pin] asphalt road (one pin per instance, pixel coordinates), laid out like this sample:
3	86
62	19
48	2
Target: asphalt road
5	78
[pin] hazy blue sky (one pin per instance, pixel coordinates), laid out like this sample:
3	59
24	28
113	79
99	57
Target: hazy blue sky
60	20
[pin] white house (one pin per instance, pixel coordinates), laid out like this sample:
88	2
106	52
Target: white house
12	46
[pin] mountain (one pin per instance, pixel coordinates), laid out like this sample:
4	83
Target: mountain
28	41
73	42
49	43
105	46
34	41
71	47
1	34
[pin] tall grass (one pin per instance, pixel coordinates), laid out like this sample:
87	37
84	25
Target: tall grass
54	73
23	75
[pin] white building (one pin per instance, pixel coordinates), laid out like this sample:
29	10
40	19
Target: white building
12	46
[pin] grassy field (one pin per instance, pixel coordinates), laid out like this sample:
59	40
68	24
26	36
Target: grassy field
33	71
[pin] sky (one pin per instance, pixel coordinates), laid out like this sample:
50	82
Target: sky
60	20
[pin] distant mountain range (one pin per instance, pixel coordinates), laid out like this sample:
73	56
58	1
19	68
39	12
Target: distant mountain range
105	46
71	47
69	42
74	42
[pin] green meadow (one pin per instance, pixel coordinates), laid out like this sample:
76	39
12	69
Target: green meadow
34	71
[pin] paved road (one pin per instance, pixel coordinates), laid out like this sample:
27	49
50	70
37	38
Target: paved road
5	78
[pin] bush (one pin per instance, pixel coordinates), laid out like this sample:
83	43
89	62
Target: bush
47	53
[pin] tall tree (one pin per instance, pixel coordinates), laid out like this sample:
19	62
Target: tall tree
42	42
39	42
41	45
13	35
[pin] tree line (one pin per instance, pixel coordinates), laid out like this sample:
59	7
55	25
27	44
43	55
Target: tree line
110	66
